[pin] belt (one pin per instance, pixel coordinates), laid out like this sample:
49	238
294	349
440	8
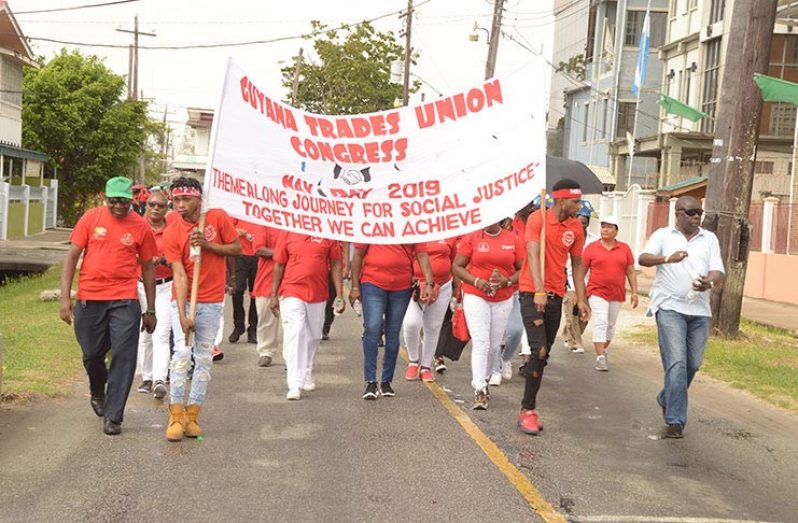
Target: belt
160	281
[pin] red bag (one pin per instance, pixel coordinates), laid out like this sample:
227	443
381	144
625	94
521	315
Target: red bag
459	326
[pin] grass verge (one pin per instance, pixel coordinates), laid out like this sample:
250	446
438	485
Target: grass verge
40	354
763	361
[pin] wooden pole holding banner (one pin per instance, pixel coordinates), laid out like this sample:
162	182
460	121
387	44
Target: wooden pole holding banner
206	187
542	239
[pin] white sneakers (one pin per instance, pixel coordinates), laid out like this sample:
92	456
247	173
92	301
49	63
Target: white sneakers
310	383
293	394
507	370
601	363
495	379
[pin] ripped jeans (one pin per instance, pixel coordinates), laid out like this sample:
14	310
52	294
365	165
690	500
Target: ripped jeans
206	324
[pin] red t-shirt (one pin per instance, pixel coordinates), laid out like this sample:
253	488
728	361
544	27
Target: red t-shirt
519	227
562	238
441	255
306	259
389	267
161	271
264	237
607	270
486	253
248	237
218	229
112	248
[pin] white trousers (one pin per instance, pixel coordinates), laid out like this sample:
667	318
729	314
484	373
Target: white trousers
153	351
270	331
430	317
604	314
302	324
486	323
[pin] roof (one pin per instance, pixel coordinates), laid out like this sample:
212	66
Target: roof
19	152
12	41
685	186
603	173
198	117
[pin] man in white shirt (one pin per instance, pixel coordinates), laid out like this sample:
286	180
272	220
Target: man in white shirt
688	264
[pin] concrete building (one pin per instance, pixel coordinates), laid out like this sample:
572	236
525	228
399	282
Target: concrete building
28	198
192	155
601	110
692	71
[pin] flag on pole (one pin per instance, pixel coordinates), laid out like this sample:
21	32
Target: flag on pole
776	89
674	106
642	57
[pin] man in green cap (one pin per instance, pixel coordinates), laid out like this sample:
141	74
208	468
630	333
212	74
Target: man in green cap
118	247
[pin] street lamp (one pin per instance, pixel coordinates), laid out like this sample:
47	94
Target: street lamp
474	37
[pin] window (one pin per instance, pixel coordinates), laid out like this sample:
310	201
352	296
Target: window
626	118
585	111
763	167
591	36
604	110
688	77
711	79
674	8
634	27
11	76
782	119
692	4
716	11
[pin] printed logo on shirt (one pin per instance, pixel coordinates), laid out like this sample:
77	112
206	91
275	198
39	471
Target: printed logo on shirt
483	247
210	233
508	247
316	240
99	232
127	239
568	238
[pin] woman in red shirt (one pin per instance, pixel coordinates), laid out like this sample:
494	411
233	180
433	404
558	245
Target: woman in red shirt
383	276
488	263
610	262
429	315
299	295
154	348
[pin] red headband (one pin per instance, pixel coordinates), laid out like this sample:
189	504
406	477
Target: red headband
186	191
567	193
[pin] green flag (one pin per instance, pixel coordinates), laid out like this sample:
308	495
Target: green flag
776	89
674	106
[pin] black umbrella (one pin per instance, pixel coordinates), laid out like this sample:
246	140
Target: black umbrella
559	168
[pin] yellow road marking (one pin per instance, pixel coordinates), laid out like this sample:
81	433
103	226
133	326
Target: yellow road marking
531	494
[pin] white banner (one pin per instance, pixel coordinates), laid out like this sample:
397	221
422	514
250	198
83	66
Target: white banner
418	173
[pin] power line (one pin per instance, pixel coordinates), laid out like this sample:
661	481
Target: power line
75	8
215	45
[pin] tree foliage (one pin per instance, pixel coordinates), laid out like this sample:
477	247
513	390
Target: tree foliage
575	66
353	73
75	112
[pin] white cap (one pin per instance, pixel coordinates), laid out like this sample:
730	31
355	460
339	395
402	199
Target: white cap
612	220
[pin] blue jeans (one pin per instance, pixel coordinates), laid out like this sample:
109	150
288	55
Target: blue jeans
682	340
376	304
206	323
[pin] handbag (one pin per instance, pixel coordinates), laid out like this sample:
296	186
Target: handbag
459	325
449	346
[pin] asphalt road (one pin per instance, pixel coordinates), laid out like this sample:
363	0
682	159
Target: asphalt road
334	457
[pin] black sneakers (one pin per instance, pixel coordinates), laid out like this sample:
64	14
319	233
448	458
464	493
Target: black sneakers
386	389
674	431
111	427
371	391
235	335
145	387
159	390
98	405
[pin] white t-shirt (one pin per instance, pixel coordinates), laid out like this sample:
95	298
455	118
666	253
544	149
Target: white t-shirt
673	283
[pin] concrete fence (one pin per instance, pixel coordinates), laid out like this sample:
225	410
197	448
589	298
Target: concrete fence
27	210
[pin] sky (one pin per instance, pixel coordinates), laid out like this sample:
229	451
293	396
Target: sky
173	79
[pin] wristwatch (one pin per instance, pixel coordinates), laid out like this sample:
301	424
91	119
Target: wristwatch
149	312
509	283
430	283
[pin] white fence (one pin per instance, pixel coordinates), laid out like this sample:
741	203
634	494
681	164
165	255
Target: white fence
26	194
631	210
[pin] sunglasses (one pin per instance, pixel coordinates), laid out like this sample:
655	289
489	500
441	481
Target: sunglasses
118	201
692	212
156	205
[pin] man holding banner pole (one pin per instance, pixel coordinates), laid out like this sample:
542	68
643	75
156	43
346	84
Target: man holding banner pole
561	236
197	255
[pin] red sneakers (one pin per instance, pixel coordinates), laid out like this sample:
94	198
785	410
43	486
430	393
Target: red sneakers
412	371
528	422
217	353
426	375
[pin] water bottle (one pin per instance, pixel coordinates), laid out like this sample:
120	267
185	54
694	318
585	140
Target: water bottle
338	306
494	281
358	308
194	252
692	294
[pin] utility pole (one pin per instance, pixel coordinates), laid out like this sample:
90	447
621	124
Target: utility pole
133	66
731	172
495	34
408	52
297	69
